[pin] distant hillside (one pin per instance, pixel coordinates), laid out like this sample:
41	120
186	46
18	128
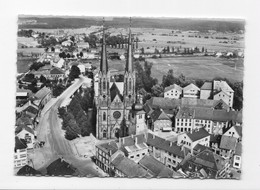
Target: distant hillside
170	23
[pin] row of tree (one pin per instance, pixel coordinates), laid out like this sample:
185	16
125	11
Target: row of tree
75	118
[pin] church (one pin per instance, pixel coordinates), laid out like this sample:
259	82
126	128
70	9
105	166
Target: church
119	111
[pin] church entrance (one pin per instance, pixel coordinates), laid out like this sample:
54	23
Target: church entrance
117	133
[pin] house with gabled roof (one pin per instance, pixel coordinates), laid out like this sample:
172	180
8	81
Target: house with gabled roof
157	169
160	121
125	167
134	146
165	151
234	131
42	97
221	90
227	146
20	153
206	90
173	91
205	164
191	91
26	133
194	137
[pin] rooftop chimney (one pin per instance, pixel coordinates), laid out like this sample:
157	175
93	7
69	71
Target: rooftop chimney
135	140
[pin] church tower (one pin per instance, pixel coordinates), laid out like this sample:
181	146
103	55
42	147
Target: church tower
129	77
103	98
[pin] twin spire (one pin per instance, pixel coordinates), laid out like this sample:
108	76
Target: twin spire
104	63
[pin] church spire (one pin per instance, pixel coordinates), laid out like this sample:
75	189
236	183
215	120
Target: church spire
104	63
129	64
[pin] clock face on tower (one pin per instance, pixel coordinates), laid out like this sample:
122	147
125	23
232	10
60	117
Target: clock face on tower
116	114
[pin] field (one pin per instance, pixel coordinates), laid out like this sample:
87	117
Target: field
199	67
23	64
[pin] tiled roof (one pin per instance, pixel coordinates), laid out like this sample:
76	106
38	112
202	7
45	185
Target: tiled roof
222	85
166	145
185	112
207	159
159	114
60	167
155	167
108	146
115	91
128	167
197	134
24	120
31	109
130	140
228	143
192	102
238	150
190	86
19	144
200	148
19	128
239	130
27	170
215	138
56	71
174	86
207	86
42	93
164	103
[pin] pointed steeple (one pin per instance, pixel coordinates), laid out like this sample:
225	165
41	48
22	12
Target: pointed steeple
103	62
129	63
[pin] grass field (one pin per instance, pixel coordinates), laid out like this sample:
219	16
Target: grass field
24	64
199	67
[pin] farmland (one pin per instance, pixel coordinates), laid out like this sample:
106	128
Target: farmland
205	68
23	64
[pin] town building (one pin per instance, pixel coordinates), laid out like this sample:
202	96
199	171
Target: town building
206	164
160	121
165	151
221	90
214	121
20	153
42	97
173	91
191	91
26	133
237	158
206	90
234	131
157	169
194	137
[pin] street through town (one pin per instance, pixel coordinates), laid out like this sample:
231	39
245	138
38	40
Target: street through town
56	146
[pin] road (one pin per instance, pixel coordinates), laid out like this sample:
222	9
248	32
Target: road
56	146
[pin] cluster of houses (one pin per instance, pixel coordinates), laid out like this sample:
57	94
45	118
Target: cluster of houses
216	90
28	110
189	134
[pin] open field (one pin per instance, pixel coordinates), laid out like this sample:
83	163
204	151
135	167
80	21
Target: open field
24	64
199	67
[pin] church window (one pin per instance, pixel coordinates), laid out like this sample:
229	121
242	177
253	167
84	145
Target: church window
130	83
104	134
104	85
104	116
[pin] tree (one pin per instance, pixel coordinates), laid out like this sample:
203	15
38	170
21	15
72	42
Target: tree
42	79
74	72
57	90
72	130
157	90
168	79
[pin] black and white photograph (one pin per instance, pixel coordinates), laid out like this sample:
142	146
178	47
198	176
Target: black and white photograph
166	99
129	97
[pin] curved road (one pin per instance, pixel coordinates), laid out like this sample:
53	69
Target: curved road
49	130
